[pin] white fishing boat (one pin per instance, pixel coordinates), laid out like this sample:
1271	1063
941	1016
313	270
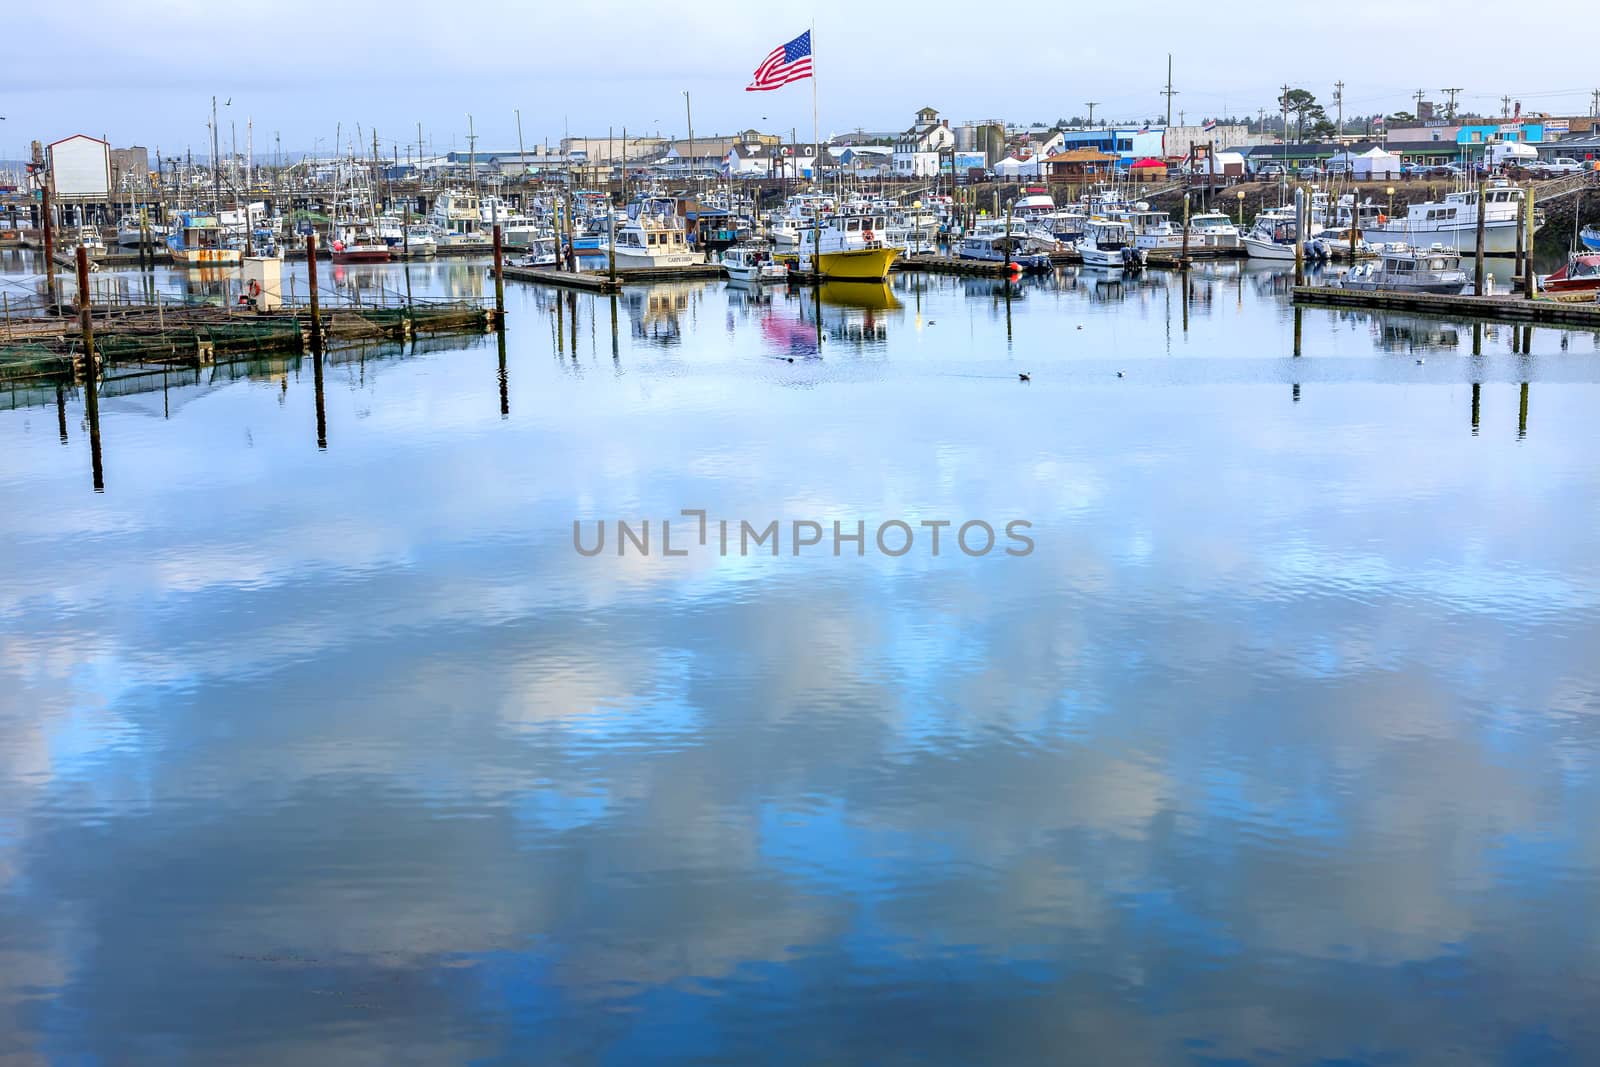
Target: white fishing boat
1402	268
516	229
649	240
1152	230
1453	221
1212	229
1109	243
458	223
753	263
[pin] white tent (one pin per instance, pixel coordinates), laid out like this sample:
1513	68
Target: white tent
1012	167
1376	164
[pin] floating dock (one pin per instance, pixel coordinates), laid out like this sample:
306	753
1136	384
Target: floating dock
1542	311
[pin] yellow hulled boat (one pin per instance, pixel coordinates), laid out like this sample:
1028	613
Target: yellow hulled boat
850	248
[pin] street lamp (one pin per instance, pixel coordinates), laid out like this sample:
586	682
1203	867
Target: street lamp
1240	195
1390	209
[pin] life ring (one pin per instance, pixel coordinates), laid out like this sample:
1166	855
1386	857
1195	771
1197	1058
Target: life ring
1382	219
254	287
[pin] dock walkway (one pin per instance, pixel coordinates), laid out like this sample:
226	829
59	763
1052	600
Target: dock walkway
1541	311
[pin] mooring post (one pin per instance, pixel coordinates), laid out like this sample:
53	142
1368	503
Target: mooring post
7	298
499	281
311	285
49	242
91	388
1183	256
1299	242
1527	235
1477	279
1355	215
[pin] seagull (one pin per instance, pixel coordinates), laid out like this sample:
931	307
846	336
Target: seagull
1080	325
1419	362
1120	374
229	103
1025	378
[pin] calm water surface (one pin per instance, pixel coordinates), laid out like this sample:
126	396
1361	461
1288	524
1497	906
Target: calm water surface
1280	748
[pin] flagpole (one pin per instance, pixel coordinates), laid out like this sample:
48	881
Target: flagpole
816	135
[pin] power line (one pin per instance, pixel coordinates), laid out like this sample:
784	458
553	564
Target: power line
1450	108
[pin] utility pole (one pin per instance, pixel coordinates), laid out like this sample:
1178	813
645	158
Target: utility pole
1169	92
1450	108
1091	105
1594	106
1505	107
1419	94
1338	99
1283	103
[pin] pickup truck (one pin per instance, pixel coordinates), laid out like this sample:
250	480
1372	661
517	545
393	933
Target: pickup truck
1558	167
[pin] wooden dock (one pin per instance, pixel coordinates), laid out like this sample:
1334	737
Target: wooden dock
1540	311
599	281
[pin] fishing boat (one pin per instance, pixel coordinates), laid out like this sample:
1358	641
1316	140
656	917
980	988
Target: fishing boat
1590	236
649	240
1453	221
516	229
751	263
356	243
1212	229
1401	268
128	232
1581	271
196	242
850	248
1109	243
1152	230
458	223
1273	235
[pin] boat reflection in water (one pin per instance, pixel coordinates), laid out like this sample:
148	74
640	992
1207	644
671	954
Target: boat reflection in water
656	312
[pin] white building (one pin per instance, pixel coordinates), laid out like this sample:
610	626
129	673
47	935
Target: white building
916	151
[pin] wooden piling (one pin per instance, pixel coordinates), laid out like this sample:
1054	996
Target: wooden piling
1183	255
1299	244
1518	268
49	241
499	278
1477	277
1528	285
91	369
311	284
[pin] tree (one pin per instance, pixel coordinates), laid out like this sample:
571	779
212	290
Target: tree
1302	105
1403	116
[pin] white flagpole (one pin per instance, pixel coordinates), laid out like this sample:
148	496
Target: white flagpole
816	136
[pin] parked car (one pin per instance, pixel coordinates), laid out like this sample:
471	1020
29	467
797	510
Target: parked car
1311	170
1270	170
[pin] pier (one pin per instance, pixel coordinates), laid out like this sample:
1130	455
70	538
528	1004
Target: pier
1541	311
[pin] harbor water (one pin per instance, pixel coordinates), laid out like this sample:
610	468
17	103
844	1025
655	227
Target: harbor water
323	740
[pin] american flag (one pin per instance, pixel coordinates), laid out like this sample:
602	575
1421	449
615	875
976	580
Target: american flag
787	63
1210	125
1145	128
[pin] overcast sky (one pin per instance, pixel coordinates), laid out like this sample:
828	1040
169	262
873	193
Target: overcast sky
89	67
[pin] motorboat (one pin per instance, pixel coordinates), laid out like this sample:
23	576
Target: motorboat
1590	237
1273	236
358	243
541	253
1403	268
1581	271
753	263
995	247
1109	243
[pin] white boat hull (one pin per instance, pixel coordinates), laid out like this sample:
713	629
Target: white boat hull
1499	235
628	259
1259	249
